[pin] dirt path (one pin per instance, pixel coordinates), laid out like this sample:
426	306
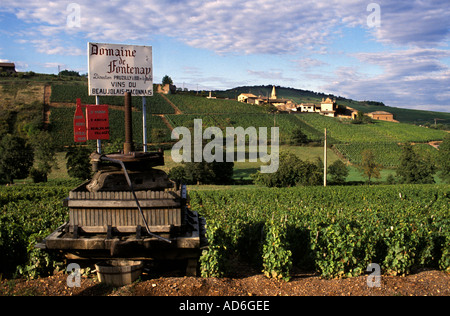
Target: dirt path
425	283
435	144
177	110
46	109
47	93
164	119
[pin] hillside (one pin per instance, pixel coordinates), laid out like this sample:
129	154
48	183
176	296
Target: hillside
347	140
22	109
306	96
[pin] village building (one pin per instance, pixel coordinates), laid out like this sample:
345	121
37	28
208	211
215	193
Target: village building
210	96
273	95
349	113
382	115
275	101
328	107
9	68
247	98
166	89
286	106
280	103
307	107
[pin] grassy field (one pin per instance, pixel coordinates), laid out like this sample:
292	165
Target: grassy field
242	170
21	103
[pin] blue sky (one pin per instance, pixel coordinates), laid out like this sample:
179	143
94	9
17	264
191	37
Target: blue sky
396	52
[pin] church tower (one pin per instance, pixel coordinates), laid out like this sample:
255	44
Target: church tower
274	94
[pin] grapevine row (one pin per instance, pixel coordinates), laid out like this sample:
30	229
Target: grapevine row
338	231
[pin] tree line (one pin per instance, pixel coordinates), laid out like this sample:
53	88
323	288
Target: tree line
34	155
414	167
21	156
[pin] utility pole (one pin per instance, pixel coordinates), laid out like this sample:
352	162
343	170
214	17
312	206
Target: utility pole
325	160
144	124
437	119
128	146
99	142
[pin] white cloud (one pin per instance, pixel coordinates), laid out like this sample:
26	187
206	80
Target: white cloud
54	65
271	74
56	47
414	22
407	62
307	63
244	27
415	34
411	78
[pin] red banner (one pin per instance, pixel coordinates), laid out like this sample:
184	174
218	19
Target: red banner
97	121
79	124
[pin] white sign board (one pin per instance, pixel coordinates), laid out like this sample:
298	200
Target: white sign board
115	69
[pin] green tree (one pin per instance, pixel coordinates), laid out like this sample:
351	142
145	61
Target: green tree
444	159
338	172
292	171
70	73
44	155
207	172
157	135
114	146
369	167
390	179
310	173
78	163
415	168
16	158
166	80
178	174
361	118
285	176
298	137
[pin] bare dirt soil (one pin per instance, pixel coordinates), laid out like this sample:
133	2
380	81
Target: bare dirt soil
244	283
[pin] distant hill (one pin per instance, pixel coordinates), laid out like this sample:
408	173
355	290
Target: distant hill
27	88
306	96
22	108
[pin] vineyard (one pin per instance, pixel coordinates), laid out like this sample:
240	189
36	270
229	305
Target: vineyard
376	132
285	122
28	214
69	93
338	231
384	139
62	121
189	104
386	154
350	140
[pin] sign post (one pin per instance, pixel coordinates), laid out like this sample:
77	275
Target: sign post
115	69
79	124
97	121
144	125
99	142
325	159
